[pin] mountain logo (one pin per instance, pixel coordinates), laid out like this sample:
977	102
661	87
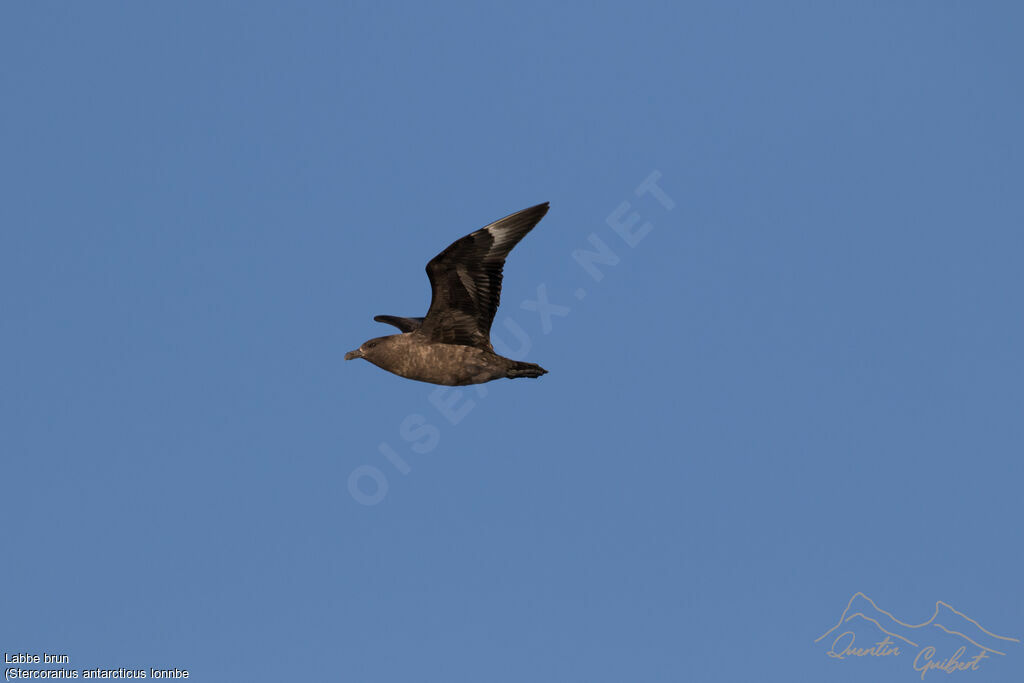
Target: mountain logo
950	641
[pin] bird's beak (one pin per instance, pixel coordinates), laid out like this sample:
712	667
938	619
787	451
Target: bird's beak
353	354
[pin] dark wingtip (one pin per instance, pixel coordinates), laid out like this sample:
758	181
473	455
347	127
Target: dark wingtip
403	324
521	369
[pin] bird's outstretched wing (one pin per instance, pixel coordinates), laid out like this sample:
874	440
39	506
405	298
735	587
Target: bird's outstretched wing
465	280
404	324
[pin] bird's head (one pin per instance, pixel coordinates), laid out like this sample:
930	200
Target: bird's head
368	350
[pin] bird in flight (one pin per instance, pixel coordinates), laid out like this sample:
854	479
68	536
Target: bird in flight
452	344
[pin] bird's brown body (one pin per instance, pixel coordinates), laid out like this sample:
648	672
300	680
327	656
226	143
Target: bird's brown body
410	355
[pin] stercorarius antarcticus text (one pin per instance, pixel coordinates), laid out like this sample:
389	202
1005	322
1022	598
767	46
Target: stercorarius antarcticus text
452	344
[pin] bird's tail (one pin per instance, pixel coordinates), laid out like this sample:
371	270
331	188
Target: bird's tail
520	369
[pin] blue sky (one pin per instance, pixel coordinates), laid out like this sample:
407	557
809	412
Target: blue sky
803	382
